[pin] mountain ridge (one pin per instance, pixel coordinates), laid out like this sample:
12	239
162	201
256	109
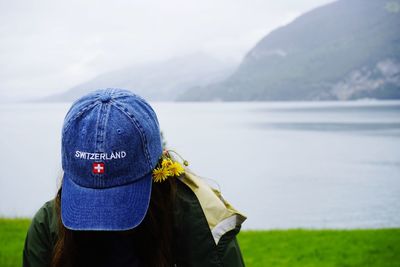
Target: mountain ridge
348	49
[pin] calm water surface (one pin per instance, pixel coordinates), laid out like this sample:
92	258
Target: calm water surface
285	165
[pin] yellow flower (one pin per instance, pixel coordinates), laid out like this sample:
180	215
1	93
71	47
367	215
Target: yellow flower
161	174
166	163
176	169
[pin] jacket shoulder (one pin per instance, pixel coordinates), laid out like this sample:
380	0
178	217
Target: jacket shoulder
41	236
220	215
199	212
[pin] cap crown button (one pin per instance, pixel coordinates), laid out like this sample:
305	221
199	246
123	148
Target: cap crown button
105	98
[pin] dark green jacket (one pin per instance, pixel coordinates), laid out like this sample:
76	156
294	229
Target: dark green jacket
194	239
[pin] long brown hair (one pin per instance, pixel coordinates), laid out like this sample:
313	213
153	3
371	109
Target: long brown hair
155	232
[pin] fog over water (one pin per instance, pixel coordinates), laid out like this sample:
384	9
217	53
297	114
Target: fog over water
285	165
48	47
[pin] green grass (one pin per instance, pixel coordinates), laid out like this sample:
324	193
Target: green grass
12	236
303	248
322	248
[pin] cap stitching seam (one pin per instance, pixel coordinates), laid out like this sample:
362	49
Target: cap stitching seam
107	116
102	110
97	128
138	126
77	115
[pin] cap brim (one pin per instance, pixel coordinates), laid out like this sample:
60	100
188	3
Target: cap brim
109	209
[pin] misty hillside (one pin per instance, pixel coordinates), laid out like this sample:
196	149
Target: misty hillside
348	49
159	80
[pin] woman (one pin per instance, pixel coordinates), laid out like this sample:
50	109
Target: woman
125	202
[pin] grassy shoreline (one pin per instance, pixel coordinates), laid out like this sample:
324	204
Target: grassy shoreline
303	248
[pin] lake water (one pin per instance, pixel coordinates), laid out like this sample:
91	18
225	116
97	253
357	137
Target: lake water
285	165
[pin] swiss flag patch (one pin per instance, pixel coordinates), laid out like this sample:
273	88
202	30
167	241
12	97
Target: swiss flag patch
98	168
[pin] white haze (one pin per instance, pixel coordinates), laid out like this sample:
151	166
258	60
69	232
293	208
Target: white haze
49	46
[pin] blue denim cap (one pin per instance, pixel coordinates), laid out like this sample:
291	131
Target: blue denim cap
111	142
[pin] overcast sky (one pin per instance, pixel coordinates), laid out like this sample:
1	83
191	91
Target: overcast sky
49	46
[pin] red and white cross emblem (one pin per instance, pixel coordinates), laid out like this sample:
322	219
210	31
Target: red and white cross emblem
98	168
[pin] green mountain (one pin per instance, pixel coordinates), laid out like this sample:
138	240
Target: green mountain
348	49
